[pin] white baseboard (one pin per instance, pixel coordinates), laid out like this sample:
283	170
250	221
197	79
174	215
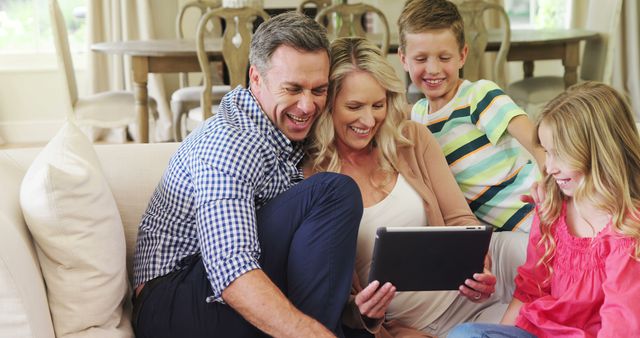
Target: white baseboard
27	132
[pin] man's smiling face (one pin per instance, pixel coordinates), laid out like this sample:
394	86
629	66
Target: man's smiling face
293	90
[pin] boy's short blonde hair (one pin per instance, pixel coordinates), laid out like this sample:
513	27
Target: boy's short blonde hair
419	16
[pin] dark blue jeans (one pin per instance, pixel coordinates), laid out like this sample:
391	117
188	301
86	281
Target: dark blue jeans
308	240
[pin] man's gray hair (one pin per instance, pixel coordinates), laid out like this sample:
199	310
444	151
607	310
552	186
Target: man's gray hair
291	29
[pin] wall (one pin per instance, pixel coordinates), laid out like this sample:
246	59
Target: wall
32	104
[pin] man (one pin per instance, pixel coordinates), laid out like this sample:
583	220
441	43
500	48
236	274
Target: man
233	242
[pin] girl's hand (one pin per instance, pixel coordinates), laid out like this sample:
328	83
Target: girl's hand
373	301
482	286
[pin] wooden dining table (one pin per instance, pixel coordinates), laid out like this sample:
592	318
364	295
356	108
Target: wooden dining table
175	56
529	45
157	56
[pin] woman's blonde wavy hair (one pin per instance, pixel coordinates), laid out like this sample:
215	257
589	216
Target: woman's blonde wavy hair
594	132
355	54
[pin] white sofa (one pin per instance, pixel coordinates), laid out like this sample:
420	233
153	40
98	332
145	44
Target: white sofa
132	172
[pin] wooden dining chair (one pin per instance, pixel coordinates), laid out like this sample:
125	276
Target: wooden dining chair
317	4
187	96
350	19
533	93
110	110
477	37
236	38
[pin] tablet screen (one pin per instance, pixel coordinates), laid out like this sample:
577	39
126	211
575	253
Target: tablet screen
429	258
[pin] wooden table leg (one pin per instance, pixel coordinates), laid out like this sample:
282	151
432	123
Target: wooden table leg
140	65
570	62
527	67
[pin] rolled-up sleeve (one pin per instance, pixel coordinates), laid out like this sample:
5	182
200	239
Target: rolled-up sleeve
225	184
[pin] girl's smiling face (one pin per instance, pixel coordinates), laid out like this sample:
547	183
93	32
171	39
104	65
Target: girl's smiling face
566	178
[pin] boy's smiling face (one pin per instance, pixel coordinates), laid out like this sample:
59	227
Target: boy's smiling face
433	59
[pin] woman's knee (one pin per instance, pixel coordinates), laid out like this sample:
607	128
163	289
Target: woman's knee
464	330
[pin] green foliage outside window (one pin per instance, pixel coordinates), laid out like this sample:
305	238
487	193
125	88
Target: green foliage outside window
551	14
537	13
25	25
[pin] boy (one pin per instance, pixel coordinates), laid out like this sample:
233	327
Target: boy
477	125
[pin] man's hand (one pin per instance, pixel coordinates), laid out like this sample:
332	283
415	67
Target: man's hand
482	286
372	301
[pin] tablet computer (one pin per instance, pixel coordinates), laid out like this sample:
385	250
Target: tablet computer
428	258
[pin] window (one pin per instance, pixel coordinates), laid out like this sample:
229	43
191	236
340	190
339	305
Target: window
538	13
25	30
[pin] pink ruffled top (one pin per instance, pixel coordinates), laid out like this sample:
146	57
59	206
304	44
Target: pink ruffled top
594	290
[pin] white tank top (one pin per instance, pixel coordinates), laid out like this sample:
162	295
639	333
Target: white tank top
403	207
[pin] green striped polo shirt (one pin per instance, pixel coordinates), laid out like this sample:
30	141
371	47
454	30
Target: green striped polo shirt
485	159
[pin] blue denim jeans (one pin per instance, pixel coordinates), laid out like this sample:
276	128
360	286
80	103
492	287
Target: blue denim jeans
482	330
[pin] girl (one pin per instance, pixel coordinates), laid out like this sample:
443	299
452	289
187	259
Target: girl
582	270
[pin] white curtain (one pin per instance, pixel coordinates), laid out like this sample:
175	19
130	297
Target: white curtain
626	63
626	55
122	20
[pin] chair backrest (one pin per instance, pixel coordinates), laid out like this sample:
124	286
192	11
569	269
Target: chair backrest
477	37
348	20
200	7
63	52
235	46
318	4
597	58
185	19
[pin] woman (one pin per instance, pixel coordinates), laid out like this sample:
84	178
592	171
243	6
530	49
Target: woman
404	180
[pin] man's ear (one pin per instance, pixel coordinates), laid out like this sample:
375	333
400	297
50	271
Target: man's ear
255	79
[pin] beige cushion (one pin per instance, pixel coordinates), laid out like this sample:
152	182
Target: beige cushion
193	94
24	311
75	223
13	315
533	93
539	89
133	184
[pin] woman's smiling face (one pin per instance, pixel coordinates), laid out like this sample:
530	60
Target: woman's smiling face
358	111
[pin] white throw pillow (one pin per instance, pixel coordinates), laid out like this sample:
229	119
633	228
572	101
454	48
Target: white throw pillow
75	223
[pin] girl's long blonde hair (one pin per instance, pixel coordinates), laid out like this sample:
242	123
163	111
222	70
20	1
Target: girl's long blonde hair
349	55
594	132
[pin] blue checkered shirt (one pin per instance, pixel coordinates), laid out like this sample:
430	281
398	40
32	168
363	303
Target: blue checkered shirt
207	199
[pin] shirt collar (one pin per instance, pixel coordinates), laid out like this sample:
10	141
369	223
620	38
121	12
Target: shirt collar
284	147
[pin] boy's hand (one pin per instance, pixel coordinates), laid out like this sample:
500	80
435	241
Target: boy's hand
482	286
537	194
